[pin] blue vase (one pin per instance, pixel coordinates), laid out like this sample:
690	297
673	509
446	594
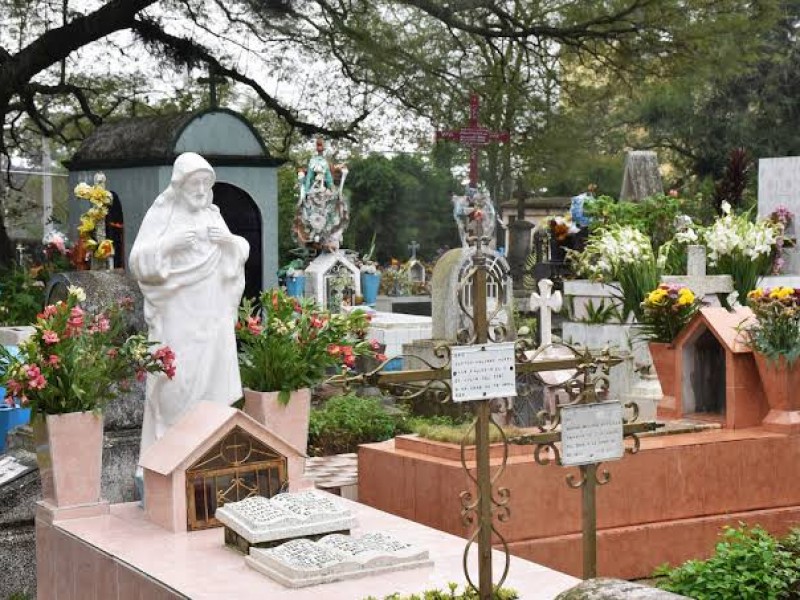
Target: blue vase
296	285
9	419
370	282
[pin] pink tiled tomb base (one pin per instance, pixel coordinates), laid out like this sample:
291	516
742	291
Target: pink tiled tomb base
122	556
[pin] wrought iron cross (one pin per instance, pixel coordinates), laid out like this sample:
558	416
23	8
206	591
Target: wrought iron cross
474	136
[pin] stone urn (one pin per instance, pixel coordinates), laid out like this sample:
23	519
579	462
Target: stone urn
780	382
288	421
69	450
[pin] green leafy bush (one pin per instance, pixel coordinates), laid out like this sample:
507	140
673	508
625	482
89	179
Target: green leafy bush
452	593
21	297
748	564
344	422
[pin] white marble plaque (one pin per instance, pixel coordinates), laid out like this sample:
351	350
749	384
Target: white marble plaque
302	562
11	468
591	433
483	371
285	516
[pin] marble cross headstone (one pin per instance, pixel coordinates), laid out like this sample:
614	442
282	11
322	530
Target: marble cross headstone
545	302
696	279
412	248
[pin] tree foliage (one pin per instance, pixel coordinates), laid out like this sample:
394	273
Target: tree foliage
400	200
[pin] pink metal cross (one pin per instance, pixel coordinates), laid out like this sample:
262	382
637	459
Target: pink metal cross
473	136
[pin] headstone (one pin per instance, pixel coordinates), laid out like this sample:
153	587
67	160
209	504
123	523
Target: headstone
705	287
779	185
265	522
544	302
416	270
301	562
333	280
448	318
641	177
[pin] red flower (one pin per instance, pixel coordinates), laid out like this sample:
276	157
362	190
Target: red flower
380	357
254	325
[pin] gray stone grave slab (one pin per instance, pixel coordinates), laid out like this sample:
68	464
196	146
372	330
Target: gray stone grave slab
301	563
261	521
641	177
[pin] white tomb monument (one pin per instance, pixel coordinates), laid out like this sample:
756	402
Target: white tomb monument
190	269
779	185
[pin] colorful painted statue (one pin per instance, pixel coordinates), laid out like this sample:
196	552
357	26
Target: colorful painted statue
322	213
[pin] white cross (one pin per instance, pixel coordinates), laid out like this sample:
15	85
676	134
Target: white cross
696	279
545	302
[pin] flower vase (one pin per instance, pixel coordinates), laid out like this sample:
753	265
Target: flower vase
69	450
664	361
370	282
289	421
11	417
296	285
780	382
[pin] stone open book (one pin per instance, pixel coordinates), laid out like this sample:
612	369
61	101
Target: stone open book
303	562
287	516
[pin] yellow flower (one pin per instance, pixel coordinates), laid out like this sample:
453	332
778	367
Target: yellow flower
656	296
781	293
95	213
685	297
90	244
755	294
104	250
86	225
100	197
83	190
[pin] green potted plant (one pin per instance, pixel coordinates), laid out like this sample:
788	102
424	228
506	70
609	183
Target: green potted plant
66	372
774	337
665	312
288	345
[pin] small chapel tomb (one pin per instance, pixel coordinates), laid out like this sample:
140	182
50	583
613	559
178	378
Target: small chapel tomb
333	281
716	373
302	562
266	522
214	455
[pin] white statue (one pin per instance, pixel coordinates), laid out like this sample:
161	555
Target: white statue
191	271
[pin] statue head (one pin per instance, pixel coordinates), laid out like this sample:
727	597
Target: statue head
192	181
320	145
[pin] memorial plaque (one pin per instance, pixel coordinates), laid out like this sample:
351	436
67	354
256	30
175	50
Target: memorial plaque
591	433
11	468
483	371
